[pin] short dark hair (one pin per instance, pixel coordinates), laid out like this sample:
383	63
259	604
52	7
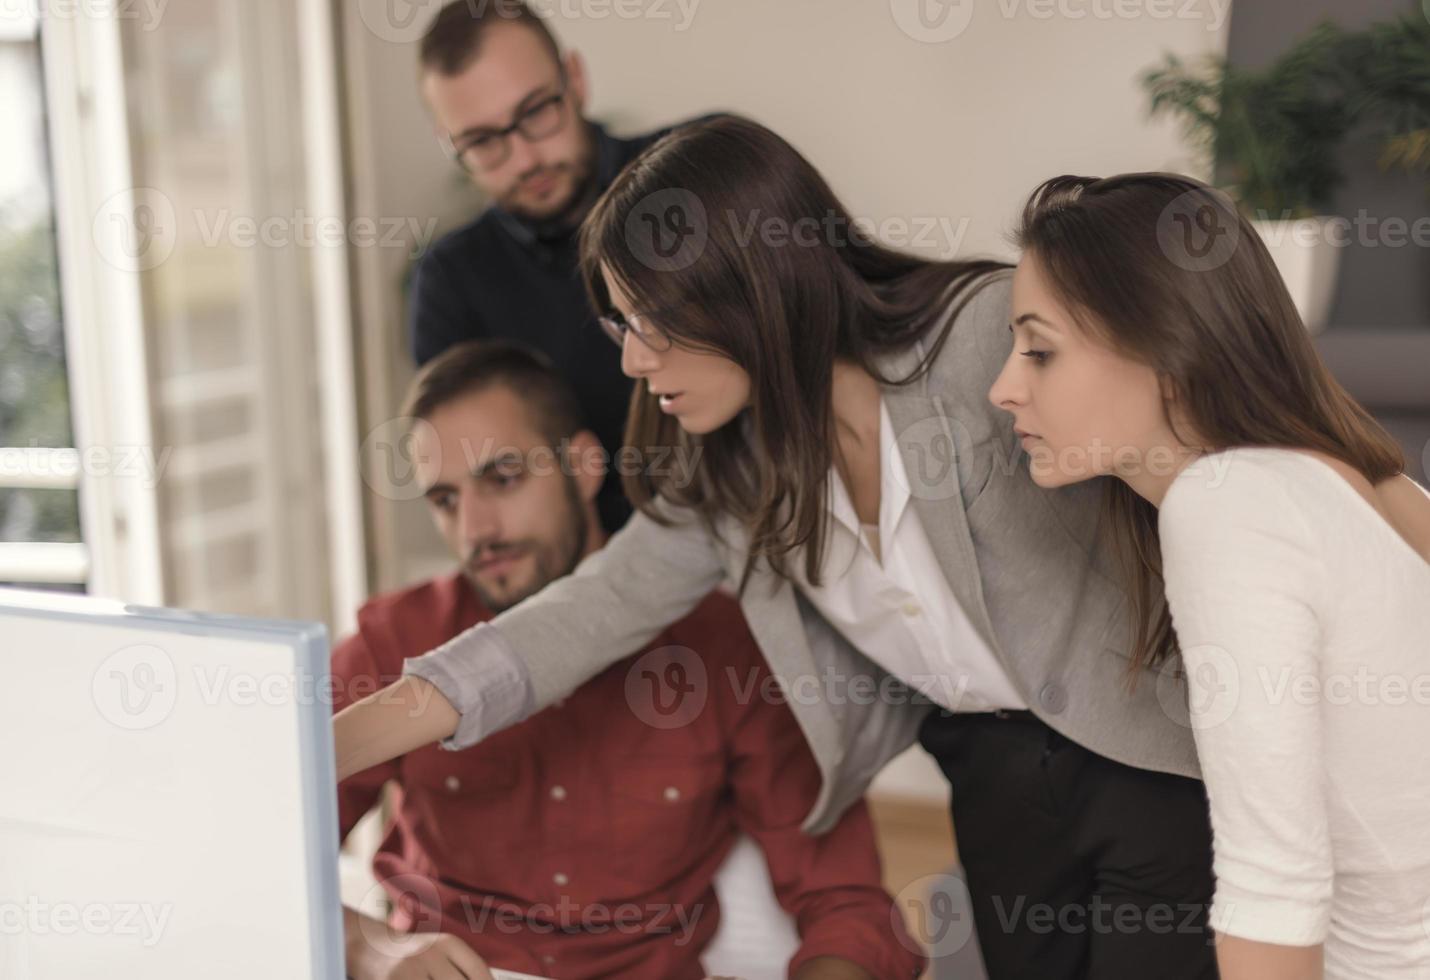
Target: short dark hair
454	39
477	365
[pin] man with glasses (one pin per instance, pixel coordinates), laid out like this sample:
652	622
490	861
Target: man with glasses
508	106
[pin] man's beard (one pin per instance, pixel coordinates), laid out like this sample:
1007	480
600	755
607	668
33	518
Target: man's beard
553	561
570	212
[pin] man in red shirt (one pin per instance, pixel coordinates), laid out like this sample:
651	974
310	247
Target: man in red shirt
583	842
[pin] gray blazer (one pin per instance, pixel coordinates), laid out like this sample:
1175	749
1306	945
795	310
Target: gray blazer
1024	563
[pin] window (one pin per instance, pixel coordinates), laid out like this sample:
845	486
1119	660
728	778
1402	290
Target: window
203	372
40	540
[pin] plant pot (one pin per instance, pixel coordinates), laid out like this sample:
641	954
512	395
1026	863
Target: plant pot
1308	256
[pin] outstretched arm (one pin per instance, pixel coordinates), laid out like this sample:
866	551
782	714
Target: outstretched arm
397	719
496	674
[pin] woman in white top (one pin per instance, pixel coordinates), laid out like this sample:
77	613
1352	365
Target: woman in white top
1155	342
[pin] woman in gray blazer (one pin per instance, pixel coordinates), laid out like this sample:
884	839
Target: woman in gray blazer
836	460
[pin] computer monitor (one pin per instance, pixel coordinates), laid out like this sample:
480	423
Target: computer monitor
167	795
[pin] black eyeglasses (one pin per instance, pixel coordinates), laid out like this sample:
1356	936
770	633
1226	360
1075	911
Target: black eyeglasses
616	326
489	149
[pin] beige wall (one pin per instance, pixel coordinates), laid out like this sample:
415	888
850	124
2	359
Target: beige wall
960	130
946	137
397	172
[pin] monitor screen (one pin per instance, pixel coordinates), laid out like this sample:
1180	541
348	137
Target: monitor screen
169	803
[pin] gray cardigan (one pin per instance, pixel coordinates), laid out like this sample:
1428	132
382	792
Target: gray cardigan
1025	564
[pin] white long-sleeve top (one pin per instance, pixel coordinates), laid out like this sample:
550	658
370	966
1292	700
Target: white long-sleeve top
1304	622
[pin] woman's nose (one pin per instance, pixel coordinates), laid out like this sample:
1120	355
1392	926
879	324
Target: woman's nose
637	360
1007	392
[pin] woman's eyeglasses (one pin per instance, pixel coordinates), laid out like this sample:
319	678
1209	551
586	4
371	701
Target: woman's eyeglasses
616	326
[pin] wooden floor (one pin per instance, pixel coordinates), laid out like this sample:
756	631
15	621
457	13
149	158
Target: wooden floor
915	842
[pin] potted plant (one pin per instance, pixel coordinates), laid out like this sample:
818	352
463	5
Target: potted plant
1271	136
1388	74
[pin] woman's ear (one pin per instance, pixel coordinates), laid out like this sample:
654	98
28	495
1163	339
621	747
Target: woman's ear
1168	387
1174	410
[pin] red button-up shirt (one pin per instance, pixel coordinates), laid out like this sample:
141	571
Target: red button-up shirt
582	842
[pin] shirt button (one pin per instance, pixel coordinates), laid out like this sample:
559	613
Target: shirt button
549	960
1053	697
672	794
558	792
912	609
453	783
561	879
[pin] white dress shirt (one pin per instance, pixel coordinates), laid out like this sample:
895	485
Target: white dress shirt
887	595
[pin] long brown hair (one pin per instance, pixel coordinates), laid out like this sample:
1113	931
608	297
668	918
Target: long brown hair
783	307
1166	271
